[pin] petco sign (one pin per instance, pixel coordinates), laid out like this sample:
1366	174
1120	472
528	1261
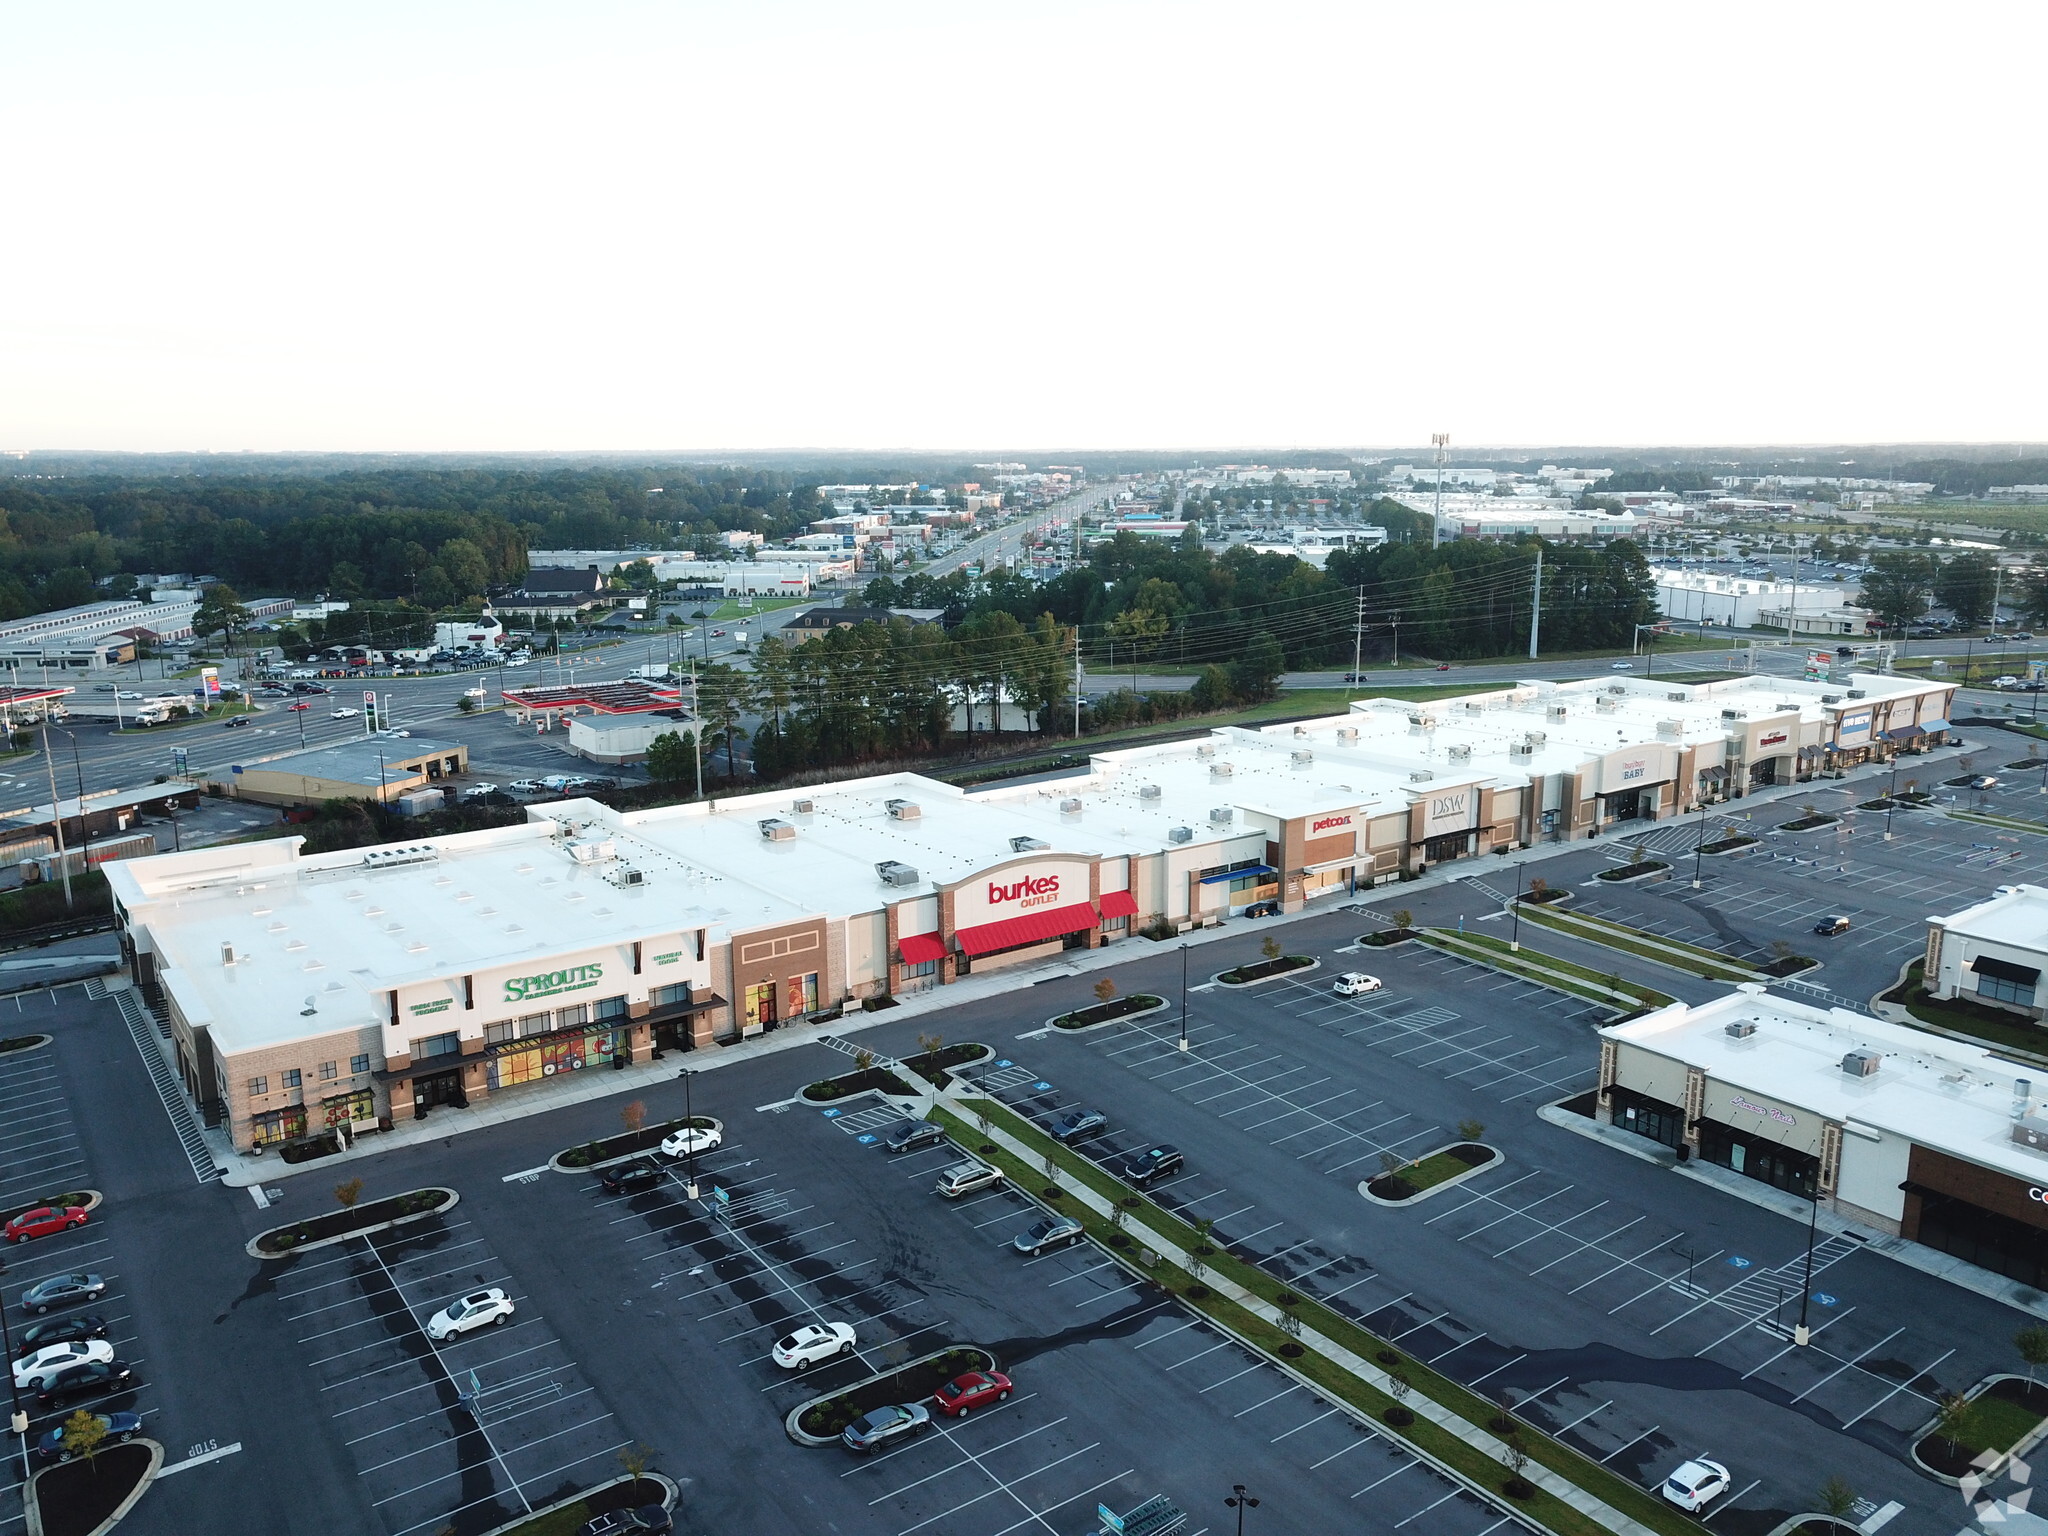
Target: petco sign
1324	824
1026	892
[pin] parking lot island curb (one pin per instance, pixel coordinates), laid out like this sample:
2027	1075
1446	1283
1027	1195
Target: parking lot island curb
35	1043
792	1424
454	1199
92	1202
1498	1157
1159	1005
2017	1453
1260	981
669	1494
1486	1443
559	1166
32	1514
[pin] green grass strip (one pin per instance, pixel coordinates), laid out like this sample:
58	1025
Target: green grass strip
1548	970
1983	818
1637	1503
1635	941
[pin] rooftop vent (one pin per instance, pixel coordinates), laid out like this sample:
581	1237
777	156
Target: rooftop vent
1862	1063
1674	698
1538	738
894	872
1741	1029
1461	753
1422	721
1223	815
1419	775
1206	749
227	954
411	853
1149	792
1070	807
1301	730
1301	759
1831	698
1732	714
1347	733
903	810
1180	834
776	830
1857	693
804	807
1028	844
1222	770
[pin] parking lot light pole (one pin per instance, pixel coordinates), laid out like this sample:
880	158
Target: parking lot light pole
1240	1501
1515	932
17	1420
1183	997
689	1140
1891	799
1699	846
1801	1334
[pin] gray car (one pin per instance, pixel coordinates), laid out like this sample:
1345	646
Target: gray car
1047	1232
898	1421
62	1291
1076	1123
908	1135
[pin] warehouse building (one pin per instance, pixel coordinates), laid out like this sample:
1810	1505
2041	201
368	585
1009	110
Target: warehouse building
382	768
1915	1134
706	923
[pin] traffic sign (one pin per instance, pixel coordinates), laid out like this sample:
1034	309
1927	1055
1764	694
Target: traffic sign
719	1194
1111	1520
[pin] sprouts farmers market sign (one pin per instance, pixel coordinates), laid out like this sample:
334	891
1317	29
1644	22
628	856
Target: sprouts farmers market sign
572	978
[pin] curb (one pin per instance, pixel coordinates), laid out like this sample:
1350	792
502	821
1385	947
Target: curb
2025	1443
804	1437
1260	981
557	1165
38	1042
1663	872
1452	1182
454	1199
93	1201
1160	1005
1683	964
670	1493
32	1513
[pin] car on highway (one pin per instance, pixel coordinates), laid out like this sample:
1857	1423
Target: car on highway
33	1368
633	1178
346	712
1076	1123
1828	927
965	1178
87	1325
520	661
1356	984
127	695
1695	1483
896	1421
977	1389
1053	1231
811	1343
231	724
691	1138
1147	1168
43	1221
115	1428
87	1380
1443	666
475	693
102	687
478	1309
63	1291
909	1135
1622	666
718	634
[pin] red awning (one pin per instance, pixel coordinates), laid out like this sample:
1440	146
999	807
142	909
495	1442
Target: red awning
920	948
1118	904
1031	928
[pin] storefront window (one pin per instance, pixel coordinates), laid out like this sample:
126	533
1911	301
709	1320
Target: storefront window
571	1017
495	1034
1767	1162
536	1024
803	995
545	1058
345	1108
436	1045
1999	989
611	1007
277	1125
664	997
922	969
760	1004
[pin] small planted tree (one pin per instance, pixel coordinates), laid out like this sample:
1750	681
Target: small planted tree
1403	919
1538	888
1204	1225
931	1045
348	1192
1105	989
863	1060
1271	948
1836	1498
1398	1388
83	1435
1955	1421
1470	1129
633	1116
1781	949
1516	1455
633	1459
2032	1344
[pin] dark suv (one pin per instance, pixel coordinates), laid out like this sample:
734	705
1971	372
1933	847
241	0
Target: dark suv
1147	1168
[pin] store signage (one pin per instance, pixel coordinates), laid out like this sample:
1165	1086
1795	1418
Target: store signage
2036	1194
1450	812
438	1005
1854	728
1771	739
1329	823
1779	1115
1634	768
1031	891
570	979
670	958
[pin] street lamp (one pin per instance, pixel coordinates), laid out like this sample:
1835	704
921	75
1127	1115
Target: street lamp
1515	933
1891	799
1240	1501
1699	846
1801	1335
18	1419
689	1140
1183	997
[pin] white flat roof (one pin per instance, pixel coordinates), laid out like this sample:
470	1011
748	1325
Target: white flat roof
1939	1093
2017	917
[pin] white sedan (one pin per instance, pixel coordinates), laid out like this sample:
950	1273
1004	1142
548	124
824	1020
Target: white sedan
1356	984
476	1310
34	1369
1695	1483
813	1342
345	713
698	1138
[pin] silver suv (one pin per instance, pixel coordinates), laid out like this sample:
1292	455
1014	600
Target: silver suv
965	1178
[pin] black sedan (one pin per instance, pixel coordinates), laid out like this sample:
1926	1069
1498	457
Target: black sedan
64	1330
1078	1122
1150	1166
634	1178
88	1379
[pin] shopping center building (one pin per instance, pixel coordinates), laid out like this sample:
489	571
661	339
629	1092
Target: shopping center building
457	966
1915	1134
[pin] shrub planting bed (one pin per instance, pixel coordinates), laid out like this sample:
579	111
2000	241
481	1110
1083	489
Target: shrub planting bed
1407	1183
880	1079
1791	965
568	1518
932	1067
1632	871
1259	970
76	1498
2003	1415
306	1148
22	1043
85	1197
279	1241
1386	936
1115	1008
626	1143
1807	823
1544	897
909	1383
1727	844
1881	803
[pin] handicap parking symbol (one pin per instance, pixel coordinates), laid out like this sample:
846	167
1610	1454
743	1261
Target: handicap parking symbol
1737	1261
1040	1087
831	1114
1006	1063
863	1140
1823	1299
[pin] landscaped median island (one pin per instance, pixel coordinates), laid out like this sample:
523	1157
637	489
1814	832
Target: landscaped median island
1547	970
1808	823
71	1199
935	1065
1711	964
1721	845
2002	1415
1446	1165
1387	937
859	1080
351	1219
1307	1339
78	1497
819	1421
1962	1018
23	1043
1115	1008
591	1153
1267	969
1635	871
569	1516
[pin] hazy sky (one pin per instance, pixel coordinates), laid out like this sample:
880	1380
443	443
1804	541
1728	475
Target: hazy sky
751	224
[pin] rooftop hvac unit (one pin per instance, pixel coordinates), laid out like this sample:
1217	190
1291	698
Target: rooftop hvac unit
1301	759
1425	722
1785	709
777	830
1741	1029
1733	714
1419	775
595	851
1149	792
1538	738
1347	733
1223	815
227	954
1674	698
1222	770
627	875
1301	730
1558	712
1070	807
1857	693
1462	753
1180	834
1863	1063
1520	748
805	807
411	853
902	810
1206	749
1028	844
1617	689
894	872
1670	727
1831	698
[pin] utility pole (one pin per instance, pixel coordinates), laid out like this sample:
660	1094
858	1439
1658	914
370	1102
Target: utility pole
1358	638
1077	685
1536	607
1441	441
56	813
1397	639
697	730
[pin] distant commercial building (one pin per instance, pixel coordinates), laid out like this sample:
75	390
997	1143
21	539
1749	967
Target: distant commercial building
1515	517
97	634
1739	602
1993	953
380	768
616	740
558	592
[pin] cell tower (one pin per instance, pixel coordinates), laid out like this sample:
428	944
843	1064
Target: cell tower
1441	441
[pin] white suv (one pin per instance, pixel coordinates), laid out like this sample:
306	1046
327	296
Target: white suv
476	1310
1355	984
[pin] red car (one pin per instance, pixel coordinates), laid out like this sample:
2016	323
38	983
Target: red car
977	1389
42	1221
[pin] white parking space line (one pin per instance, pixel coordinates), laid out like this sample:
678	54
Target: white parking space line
1895	1391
